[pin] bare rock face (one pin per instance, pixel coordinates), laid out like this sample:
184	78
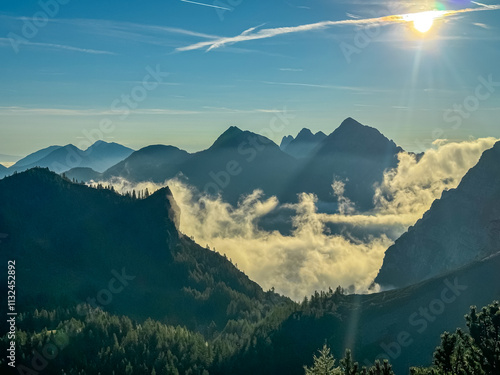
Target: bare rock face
462	226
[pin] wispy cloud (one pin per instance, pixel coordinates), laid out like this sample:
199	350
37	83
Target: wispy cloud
98	24
481	25
331	87
88	112
4	42
270	33
291	70
235	110
205	5
26	111
482	5
120	30
350	15
298	6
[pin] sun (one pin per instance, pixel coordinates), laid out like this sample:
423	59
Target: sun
423	21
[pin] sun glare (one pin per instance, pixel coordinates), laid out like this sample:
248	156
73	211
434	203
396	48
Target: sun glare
422	22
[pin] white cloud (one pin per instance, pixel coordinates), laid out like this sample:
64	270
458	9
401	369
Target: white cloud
203	4
89	112
271	33
25	42
310	258
331	87
346	207
413	186
16	110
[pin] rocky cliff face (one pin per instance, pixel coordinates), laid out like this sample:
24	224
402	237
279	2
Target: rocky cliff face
462	226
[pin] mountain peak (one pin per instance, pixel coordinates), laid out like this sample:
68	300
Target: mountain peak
305	133
350	122
286	141
231	137
303	144
98	143
352	137
232	130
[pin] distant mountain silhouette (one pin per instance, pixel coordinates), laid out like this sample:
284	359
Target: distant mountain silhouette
83	175
239	162
34	157
462	226
285	141
70	240
354	153
303	144
2	168
100	156
153	163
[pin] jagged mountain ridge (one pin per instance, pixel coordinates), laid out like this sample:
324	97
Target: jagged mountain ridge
302	145
239	162
462	226
285	141
355	154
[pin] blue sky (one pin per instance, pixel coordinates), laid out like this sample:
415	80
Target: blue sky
69	70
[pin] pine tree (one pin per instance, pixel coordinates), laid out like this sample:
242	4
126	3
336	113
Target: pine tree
381	369
443	356
347	364
324	364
